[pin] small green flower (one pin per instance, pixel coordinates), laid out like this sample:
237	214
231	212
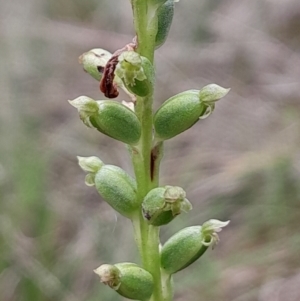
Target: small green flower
161	205
210	230
136	72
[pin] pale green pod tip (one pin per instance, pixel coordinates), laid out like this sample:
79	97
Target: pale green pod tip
84	103
211	93
162	204
210	231
91	165
109	275
94	62
86	107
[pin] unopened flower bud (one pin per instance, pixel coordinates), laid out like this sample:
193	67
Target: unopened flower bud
189	244
181	111
127	279
110	118
136	72
161	205
109	275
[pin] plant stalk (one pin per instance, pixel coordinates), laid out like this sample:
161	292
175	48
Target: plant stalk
147	236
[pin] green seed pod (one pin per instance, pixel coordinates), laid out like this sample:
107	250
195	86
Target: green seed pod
189	244
127	279
178	114
94	62
161	205
165	15
136	72
181	111
118	189
110	118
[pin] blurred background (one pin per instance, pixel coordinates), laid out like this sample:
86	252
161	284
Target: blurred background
242	163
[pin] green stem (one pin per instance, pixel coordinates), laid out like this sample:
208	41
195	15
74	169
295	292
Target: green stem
147	236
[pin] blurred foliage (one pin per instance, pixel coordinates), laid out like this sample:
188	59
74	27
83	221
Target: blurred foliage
241	164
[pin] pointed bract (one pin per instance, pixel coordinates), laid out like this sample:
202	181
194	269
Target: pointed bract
211	93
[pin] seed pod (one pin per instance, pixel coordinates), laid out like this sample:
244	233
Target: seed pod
136	72
165	15
189	244
136	283
161	205
128	279
118	189
110	118
178	114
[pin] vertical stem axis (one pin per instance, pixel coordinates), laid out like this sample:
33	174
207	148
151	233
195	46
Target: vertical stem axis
147	236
